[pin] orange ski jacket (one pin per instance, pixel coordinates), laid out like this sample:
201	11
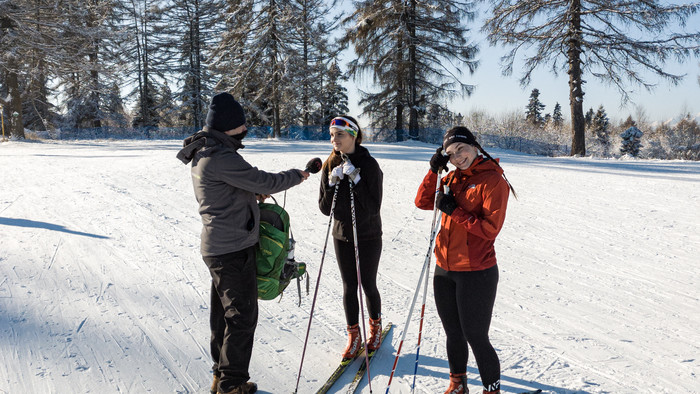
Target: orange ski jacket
466	238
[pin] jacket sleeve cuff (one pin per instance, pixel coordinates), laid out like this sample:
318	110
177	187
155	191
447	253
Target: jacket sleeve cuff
463	217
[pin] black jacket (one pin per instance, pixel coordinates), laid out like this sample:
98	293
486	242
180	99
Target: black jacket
367	194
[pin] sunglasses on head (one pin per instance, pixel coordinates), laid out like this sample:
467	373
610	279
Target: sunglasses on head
343	123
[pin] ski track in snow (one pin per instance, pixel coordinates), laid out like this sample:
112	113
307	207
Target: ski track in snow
102	288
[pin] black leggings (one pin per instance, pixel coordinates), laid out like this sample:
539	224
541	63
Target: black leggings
370	250
464	302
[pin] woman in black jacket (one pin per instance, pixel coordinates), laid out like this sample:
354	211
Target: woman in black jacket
351	162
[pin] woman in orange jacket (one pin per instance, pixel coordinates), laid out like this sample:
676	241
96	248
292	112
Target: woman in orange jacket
473	205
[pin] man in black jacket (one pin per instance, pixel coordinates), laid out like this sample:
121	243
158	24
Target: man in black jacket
226	186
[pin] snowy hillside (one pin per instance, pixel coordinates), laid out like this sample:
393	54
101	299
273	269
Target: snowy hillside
102	288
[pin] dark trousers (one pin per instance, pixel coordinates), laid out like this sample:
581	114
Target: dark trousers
464	302
370	251
234	315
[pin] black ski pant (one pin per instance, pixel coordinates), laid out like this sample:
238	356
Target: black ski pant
370	250
464	302
233	316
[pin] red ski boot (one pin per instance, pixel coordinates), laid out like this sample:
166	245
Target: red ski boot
375	334
354	343
458	384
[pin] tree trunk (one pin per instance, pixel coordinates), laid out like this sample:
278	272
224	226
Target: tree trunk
305	85
93	61
578	124
399	92
276	128
196	42
413	103
16	122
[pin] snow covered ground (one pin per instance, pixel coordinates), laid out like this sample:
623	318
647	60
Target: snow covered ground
102	288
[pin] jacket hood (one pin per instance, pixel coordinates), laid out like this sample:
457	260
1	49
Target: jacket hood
200	139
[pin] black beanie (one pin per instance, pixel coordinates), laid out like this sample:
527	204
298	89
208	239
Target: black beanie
458	134
225	113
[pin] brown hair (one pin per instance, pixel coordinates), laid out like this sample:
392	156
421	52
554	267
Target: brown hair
334	159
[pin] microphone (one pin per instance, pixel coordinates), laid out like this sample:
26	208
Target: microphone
314	165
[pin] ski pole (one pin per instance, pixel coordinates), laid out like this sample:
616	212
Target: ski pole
359	279
318	281
424	271
425	294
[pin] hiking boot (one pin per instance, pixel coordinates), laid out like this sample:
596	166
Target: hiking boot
354	342
458	384
375	334
215	385
245	388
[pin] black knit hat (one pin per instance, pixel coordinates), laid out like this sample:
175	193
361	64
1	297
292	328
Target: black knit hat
225	113
458	134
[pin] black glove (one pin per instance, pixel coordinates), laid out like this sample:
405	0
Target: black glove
438	161
446	202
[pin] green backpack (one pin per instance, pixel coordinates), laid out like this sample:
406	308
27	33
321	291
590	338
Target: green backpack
274	254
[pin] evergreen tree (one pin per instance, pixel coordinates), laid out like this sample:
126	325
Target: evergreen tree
629	122
45	41
114	108
601	129
311	52
407	47
684	139
145	56
257	47
631	141
189	35
533	113
557	117
588	119
616	39
334	96
167	108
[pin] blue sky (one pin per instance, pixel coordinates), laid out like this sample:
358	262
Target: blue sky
497	94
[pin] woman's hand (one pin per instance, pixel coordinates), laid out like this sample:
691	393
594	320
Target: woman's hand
335	175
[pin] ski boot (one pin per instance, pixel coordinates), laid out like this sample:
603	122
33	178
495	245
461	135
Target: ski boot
245	388
375	334
458	384
215	385
354	343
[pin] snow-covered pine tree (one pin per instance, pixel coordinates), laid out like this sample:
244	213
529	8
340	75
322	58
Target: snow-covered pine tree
115	111
189	35
601	129
684	139
631	141
253	55
534	108
45	41
557	117
588	118
334	97
145	60
311	54
414	51
168	109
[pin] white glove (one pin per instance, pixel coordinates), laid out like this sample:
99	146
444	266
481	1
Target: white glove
335	175
352	172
